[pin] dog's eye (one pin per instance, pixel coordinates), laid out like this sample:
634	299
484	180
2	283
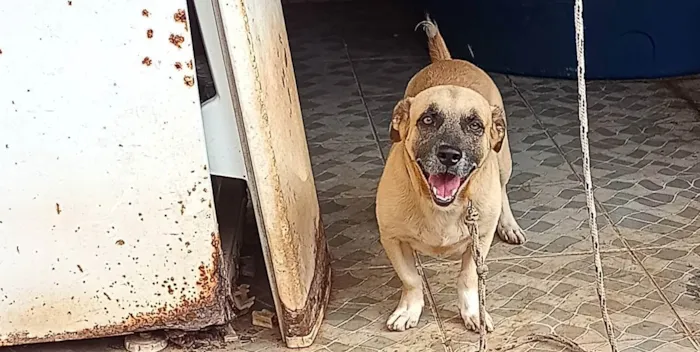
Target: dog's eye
475	125
427	120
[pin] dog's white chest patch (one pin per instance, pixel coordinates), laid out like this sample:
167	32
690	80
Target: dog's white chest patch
445	238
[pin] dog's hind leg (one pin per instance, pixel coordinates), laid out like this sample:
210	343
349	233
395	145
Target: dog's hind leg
411	304
508	229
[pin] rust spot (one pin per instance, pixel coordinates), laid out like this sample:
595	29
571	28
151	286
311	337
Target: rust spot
190	65
58	209
177	40
147	61
149	33
299	322
205	309
80	268
119	242
170	290
180	16
178	65
145	13
203	276
206	280
189	81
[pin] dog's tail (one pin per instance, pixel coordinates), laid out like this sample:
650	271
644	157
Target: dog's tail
436	45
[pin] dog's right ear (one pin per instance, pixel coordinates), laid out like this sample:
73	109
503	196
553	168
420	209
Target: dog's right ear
498	128
399	120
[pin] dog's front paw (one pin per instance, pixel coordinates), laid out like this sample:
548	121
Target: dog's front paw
469	310
407	314
510	232
472	321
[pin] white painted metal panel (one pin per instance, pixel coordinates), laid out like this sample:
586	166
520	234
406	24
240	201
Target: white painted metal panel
220	128
106	216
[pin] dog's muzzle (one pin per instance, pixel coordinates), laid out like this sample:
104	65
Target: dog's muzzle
446	175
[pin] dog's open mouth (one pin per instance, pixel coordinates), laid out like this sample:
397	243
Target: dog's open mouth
444	187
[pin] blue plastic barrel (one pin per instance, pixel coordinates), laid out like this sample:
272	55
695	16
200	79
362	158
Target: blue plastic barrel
625	39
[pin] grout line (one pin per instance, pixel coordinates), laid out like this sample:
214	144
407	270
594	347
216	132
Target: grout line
441	263
364	102
686	329
433	307
366	59
380	58
340	143
419	265
369	196
398	95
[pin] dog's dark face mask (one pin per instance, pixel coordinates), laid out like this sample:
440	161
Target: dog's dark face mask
448	149
448	136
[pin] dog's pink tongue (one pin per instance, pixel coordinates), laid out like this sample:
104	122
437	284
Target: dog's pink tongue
445	185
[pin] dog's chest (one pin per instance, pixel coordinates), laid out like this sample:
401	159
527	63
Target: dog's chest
443	236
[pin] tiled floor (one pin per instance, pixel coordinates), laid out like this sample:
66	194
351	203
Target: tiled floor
352	62
351	69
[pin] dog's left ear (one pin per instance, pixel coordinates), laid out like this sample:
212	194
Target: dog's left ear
399	120
498	128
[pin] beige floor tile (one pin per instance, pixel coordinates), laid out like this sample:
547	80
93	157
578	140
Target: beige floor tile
557	294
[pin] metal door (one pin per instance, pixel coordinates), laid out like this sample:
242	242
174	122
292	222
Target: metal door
278	166
107	223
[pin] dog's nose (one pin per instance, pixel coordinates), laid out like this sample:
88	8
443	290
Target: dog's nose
449	156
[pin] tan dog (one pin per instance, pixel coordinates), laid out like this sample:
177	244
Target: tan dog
450	146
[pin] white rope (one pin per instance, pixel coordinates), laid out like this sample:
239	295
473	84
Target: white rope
588	183
472	217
